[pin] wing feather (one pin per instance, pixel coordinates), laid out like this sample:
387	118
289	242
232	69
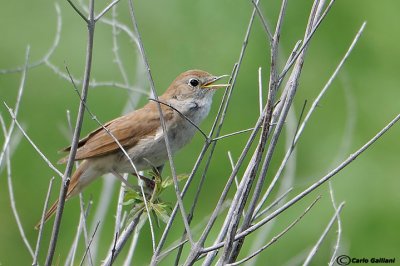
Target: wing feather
127	129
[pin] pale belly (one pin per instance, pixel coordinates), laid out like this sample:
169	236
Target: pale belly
152	152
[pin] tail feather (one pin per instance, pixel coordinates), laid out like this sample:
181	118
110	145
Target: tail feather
72	190
50	212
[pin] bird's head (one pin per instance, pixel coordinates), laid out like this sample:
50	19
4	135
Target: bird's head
194	84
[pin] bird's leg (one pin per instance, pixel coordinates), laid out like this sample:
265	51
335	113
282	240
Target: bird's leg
147	181
160	169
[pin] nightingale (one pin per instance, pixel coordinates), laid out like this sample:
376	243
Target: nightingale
141	135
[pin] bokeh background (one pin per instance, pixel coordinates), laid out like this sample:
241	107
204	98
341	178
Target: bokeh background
180	35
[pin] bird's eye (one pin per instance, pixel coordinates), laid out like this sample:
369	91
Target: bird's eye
194	82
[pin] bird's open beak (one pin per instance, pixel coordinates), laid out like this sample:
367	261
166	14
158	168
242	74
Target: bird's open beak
210	83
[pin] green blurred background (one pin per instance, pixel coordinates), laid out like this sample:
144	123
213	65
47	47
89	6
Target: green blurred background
181	35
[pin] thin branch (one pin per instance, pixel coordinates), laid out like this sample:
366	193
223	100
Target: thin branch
74	145
125	154
88	246
122	240
162	121
49	52
111	22
17	103
105	10
118	212
79	12
260	90
275	238
39	239
132	248
183	116
195	252
233	133
324	234
170	250
307	117
284	163
31	142
304	45
14	207
83	225
339	226
233	167
273	204
72	252
311	188
233	218
330	80
333	172
288	94
263	21
228	185
183	240
115	49
252	229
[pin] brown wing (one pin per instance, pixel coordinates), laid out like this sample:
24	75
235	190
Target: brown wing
127	129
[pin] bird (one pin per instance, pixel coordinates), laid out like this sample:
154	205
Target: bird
185	103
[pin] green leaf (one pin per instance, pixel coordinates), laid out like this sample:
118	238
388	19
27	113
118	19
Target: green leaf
161	212
169	181
131	194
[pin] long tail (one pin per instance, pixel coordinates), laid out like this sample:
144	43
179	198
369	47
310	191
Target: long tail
72	190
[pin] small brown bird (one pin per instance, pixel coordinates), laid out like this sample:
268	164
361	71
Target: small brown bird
141	134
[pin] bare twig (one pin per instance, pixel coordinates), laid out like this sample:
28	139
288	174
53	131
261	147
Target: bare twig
311	188
333	172
38	242
31	142
88	246
288	96
79	12
183	116
115	49
307	39
319	242
232	220
307	117
106	9
122	240
260	90
17	103
263	21
275	238
339	225
329	82
132	248
233	167
251	229
273	204
195	252
74	145
72	252
14	207
48	53
118	213
125	154
83	225
233	134
162	121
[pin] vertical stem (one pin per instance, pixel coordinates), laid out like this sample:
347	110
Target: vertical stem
75	139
